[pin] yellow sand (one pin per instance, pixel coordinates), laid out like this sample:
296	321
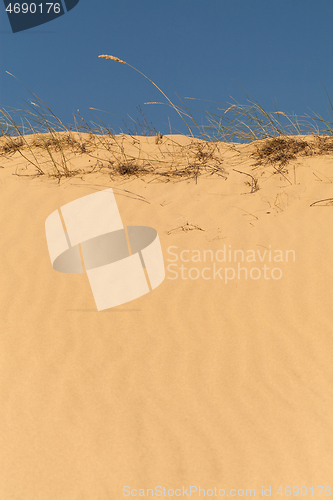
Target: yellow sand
198	383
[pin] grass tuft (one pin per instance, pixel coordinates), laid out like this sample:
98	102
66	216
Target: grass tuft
281	150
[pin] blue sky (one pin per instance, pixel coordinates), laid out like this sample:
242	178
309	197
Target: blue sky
280	51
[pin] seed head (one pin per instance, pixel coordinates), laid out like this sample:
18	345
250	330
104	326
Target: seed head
233	106
113	58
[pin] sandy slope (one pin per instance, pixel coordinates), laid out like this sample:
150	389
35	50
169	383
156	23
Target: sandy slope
200	382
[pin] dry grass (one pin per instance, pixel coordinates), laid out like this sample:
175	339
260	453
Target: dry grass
57	143
187	226
154	159
165	160
49	148
162	159
253	184
10	145
323	145
128	168
279	151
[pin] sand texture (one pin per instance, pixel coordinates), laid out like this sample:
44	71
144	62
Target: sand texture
201	382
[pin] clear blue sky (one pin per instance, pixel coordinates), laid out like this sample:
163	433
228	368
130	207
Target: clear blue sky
278	50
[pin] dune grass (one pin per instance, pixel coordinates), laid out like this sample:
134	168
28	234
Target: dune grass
45	143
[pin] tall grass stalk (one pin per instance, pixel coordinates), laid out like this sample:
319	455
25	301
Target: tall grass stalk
151	81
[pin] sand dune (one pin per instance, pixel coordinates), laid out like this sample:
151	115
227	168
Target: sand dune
202	382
